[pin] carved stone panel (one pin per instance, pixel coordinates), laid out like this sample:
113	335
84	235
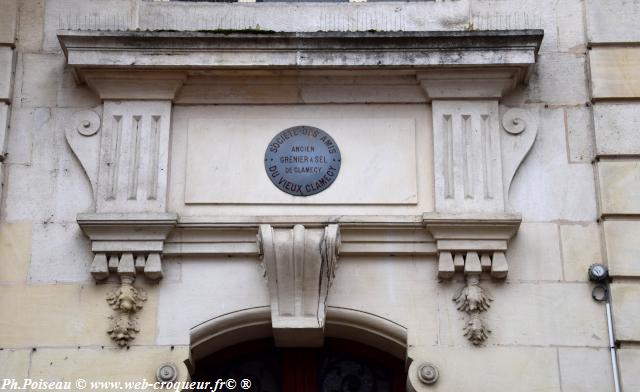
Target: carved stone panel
133	156
468	168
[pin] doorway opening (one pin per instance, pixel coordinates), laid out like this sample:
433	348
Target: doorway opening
339	366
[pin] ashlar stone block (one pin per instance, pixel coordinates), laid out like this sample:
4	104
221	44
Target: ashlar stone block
612	20
108	364
6	72
74	315
15	363
401	284
561	20
580	137
614	72
585	369
580	248
4	124
61	253
617	128
625	304
548	187
536	314
8	19
619	186
488	369
39	79
629	360
15	251
216	278
30	29
559	78
622	247
529	260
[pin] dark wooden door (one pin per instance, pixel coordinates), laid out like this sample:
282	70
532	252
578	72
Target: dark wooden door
339	366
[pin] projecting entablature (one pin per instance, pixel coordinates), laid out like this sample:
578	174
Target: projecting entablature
299	149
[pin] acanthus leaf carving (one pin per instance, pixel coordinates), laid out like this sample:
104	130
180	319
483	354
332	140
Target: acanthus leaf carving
473	300
126	300
476	330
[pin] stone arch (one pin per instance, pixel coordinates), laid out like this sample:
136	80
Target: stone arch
255	323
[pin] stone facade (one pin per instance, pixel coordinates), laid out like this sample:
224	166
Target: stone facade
490	155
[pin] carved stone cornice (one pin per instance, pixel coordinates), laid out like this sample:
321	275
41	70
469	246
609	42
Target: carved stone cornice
175	50
361	235
299	264
155	64
120	239
482	236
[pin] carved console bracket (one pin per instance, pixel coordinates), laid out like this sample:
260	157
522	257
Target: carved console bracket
478	146
472	245
299	263
126	245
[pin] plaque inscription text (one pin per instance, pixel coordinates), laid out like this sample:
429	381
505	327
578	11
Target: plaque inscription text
302	160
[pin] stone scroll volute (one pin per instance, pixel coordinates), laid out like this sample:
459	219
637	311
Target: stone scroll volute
83	132
519	131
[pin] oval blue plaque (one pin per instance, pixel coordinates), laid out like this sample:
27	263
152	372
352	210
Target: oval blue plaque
302	160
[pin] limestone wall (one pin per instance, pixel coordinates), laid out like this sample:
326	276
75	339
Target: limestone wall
614	90
577	192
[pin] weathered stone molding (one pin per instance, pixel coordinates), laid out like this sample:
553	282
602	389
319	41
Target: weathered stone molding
127	243
175	50
299	264
361	235
255	323
136	65
472	236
